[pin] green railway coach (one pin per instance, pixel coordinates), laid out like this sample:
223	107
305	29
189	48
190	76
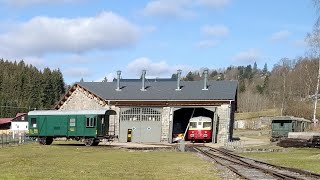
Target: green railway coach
90	126
282	125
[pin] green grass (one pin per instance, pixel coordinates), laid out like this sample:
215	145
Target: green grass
306	158
63	161
256	134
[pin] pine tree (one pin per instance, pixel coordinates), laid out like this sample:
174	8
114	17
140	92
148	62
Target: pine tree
105	79
265	69
190	76
255	67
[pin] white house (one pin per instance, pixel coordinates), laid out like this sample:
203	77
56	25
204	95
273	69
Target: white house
19	123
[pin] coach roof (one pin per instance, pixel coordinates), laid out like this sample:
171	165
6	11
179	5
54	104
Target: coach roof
69	112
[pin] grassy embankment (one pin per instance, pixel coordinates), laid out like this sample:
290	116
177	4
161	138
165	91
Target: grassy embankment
62	161
301	158
255	115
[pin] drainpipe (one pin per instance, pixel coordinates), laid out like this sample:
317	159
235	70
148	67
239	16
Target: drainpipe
118	80
205	79
178	80
143	77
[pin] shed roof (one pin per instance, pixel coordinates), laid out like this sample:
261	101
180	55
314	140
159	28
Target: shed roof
150	80
5	120
163	90
281	118
20	114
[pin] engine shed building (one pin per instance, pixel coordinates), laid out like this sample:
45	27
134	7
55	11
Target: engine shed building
153	110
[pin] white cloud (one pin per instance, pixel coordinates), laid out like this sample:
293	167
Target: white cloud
155	69
77	72
250	55
215	30
20	3
83	58
169	8
204	44
180	8
281	35
42	35
35	61
215	4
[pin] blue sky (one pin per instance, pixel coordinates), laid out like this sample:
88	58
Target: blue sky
93	39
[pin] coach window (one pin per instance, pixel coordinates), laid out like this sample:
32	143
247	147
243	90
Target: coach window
33	122
72	122
91	122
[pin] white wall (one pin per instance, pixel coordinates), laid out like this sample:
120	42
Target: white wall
19	126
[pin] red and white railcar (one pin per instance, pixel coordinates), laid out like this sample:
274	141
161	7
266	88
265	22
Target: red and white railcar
200	129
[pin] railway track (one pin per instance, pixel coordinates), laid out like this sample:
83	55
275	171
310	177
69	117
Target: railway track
247	168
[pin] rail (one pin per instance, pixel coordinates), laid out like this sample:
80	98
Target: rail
253	169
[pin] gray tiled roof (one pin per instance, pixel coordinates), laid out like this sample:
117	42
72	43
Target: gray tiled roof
190	90
150	80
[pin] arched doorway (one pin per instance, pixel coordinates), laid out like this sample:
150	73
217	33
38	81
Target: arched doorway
182	116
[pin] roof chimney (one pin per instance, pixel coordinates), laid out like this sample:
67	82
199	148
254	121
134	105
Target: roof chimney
143	77
205	79
118	80
178	79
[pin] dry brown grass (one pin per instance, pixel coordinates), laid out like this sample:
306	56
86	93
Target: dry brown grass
254	115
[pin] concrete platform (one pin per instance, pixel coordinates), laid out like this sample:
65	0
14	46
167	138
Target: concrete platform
140	146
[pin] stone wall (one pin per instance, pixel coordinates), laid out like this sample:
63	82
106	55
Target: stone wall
81	100
165	123
114	126
224	116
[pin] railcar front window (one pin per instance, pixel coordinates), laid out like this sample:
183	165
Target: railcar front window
206	124
193	124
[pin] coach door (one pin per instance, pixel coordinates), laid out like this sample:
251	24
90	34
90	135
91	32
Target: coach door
143	123
102	125
72	129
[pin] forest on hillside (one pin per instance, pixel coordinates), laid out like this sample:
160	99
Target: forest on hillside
23	87
289	86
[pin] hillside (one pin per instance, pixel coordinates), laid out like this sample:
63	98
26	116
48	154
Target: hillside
288	86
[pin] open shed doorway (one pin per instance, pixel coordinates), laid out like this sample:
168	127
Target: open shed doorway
181	119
